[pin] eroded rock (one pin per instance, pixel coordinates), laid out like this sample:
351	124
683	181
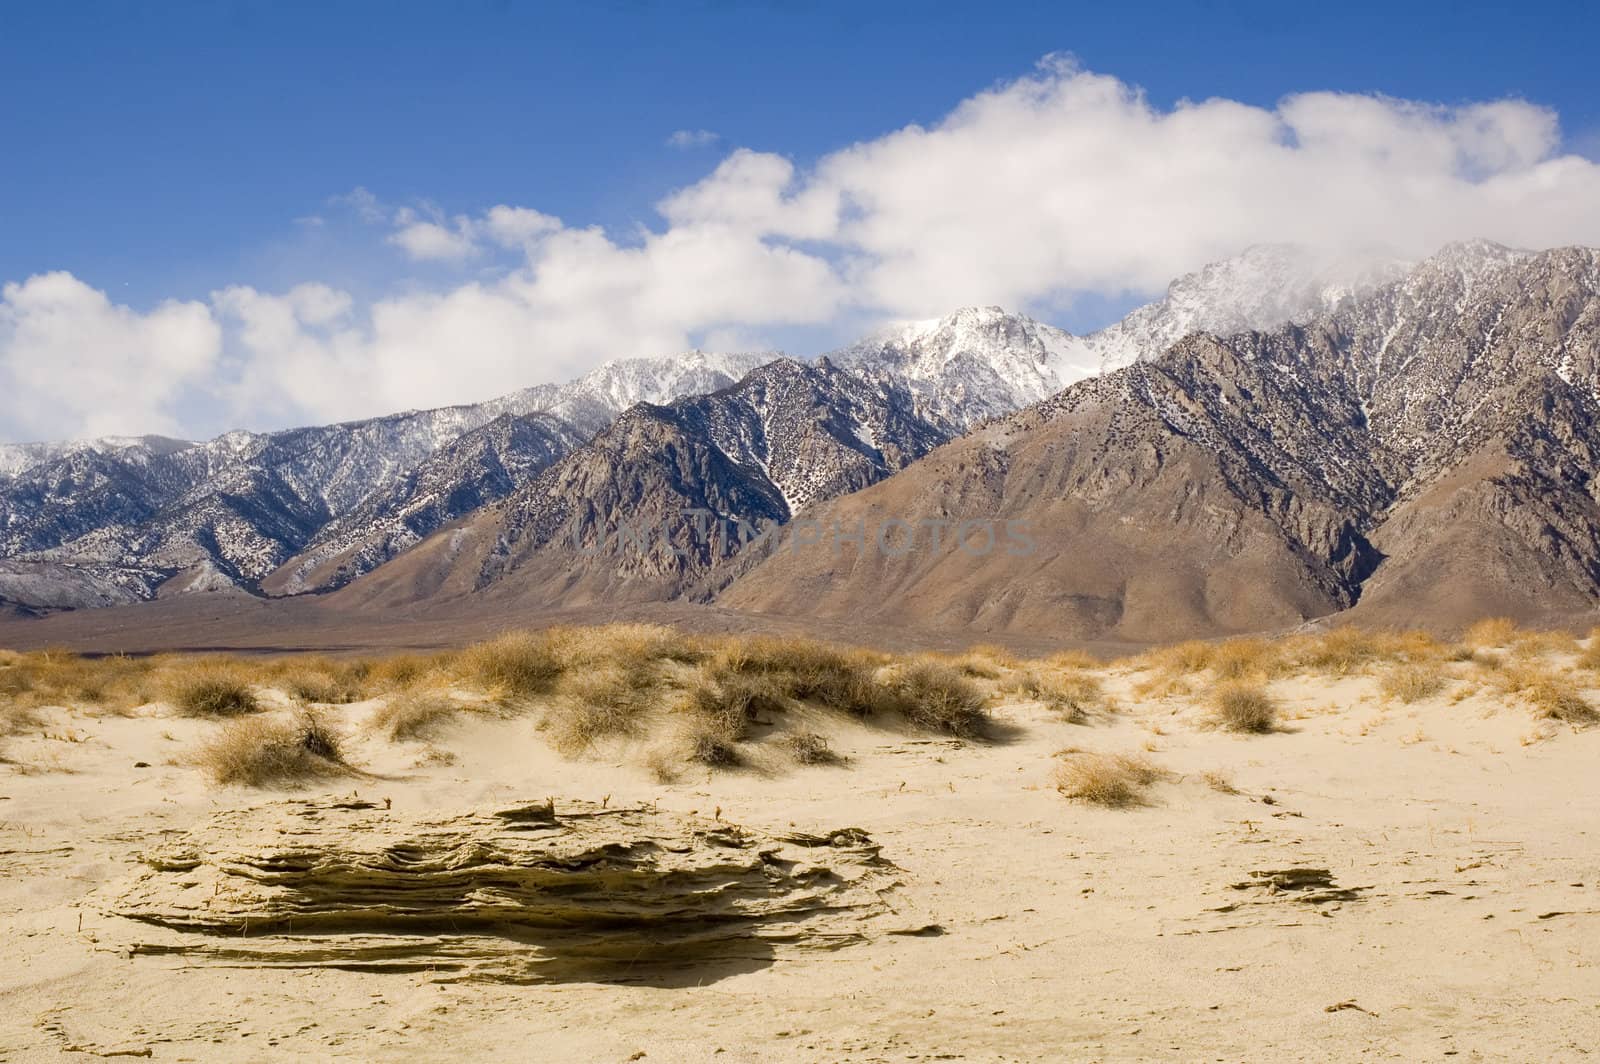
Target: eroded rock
531	892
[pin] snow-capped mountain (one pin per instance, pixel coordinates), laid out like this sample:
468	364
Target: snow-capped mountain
123	519
787	436
310	509
1426	452
982	362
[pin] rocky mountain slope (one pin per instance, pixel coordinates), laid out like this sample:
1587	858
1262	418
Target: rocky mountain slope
660	499
1423	452
981	362
106	521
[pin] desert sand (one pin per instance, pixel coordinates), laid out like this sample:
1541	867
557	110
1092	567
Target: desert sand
1437	891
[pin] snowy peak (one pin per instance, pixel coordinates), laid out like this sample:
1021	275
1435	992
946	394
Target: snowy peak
976	363
1262	288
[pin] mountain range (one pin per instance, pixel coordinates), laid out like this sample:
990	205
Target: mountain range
1281	437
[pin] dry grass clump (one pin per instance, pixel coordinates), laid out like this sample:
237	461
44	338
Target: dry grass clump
262	751
707	746
1557	699
1413	683
1341	651
517	665
1072	696
986	662
935	696
1491	632
807	671
1538	644
60	677
212	689
1072	659
1181	659
597	703
1244	707
809	748
1115	781
323	681
412	715
1243	658
727	702
1589	655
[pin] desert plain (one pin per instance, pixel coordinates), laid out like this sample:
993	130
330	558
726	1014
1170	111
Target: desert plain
633	844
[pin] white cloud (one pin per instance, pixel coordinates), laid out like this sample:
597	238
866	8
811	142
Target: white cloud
692	138
424	240
1061	183
73	363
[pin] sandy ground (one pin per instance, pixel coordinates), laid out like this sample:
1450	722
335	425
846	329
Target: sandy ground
1070	932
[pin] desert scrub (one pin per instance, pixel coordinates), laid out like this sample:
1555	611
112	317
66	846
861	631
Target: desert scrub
1412	683
1555	698
60	677
1243	707
517	665
1071	696
809	748
263	752
596	703
937	697
1115	781
1242	658
1180	659
412	715
1491	632
211	690
808	671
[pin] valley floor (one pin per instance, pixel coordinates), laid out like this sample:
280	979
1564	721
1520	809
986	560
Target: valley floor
1461	918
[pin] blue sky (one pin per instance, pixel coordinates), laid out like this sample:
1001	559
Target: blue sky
162	148
167	150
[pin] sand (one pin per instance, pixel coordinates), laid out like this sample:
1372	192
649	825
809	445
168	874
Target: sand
1459	916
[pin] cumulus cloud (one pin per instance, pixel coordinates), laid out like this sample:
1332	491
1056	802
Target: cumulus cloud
1059	184
73	363
692	138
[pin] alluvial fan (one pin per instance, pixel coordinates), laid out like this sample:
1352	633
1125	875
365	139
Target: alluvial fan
538	893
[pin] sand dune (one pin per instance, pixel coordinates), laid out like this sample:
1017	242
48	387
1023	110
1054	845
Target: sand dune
1371	877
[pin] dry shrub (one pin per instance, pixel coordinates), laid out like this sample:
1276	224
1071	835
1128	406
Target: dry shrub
1072	659
323	681
412	715
1072	696
935	696
516	665
1243	707
1181	659
1341	651
1115	781
728	702
1535	644
1349	650
1557	699
61	677
596	703
262	751
1589	656
986	662
809	748
212	689
400	672
1219	782
624	644
1412	683
1238	659
809	671
1491	632
707	746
